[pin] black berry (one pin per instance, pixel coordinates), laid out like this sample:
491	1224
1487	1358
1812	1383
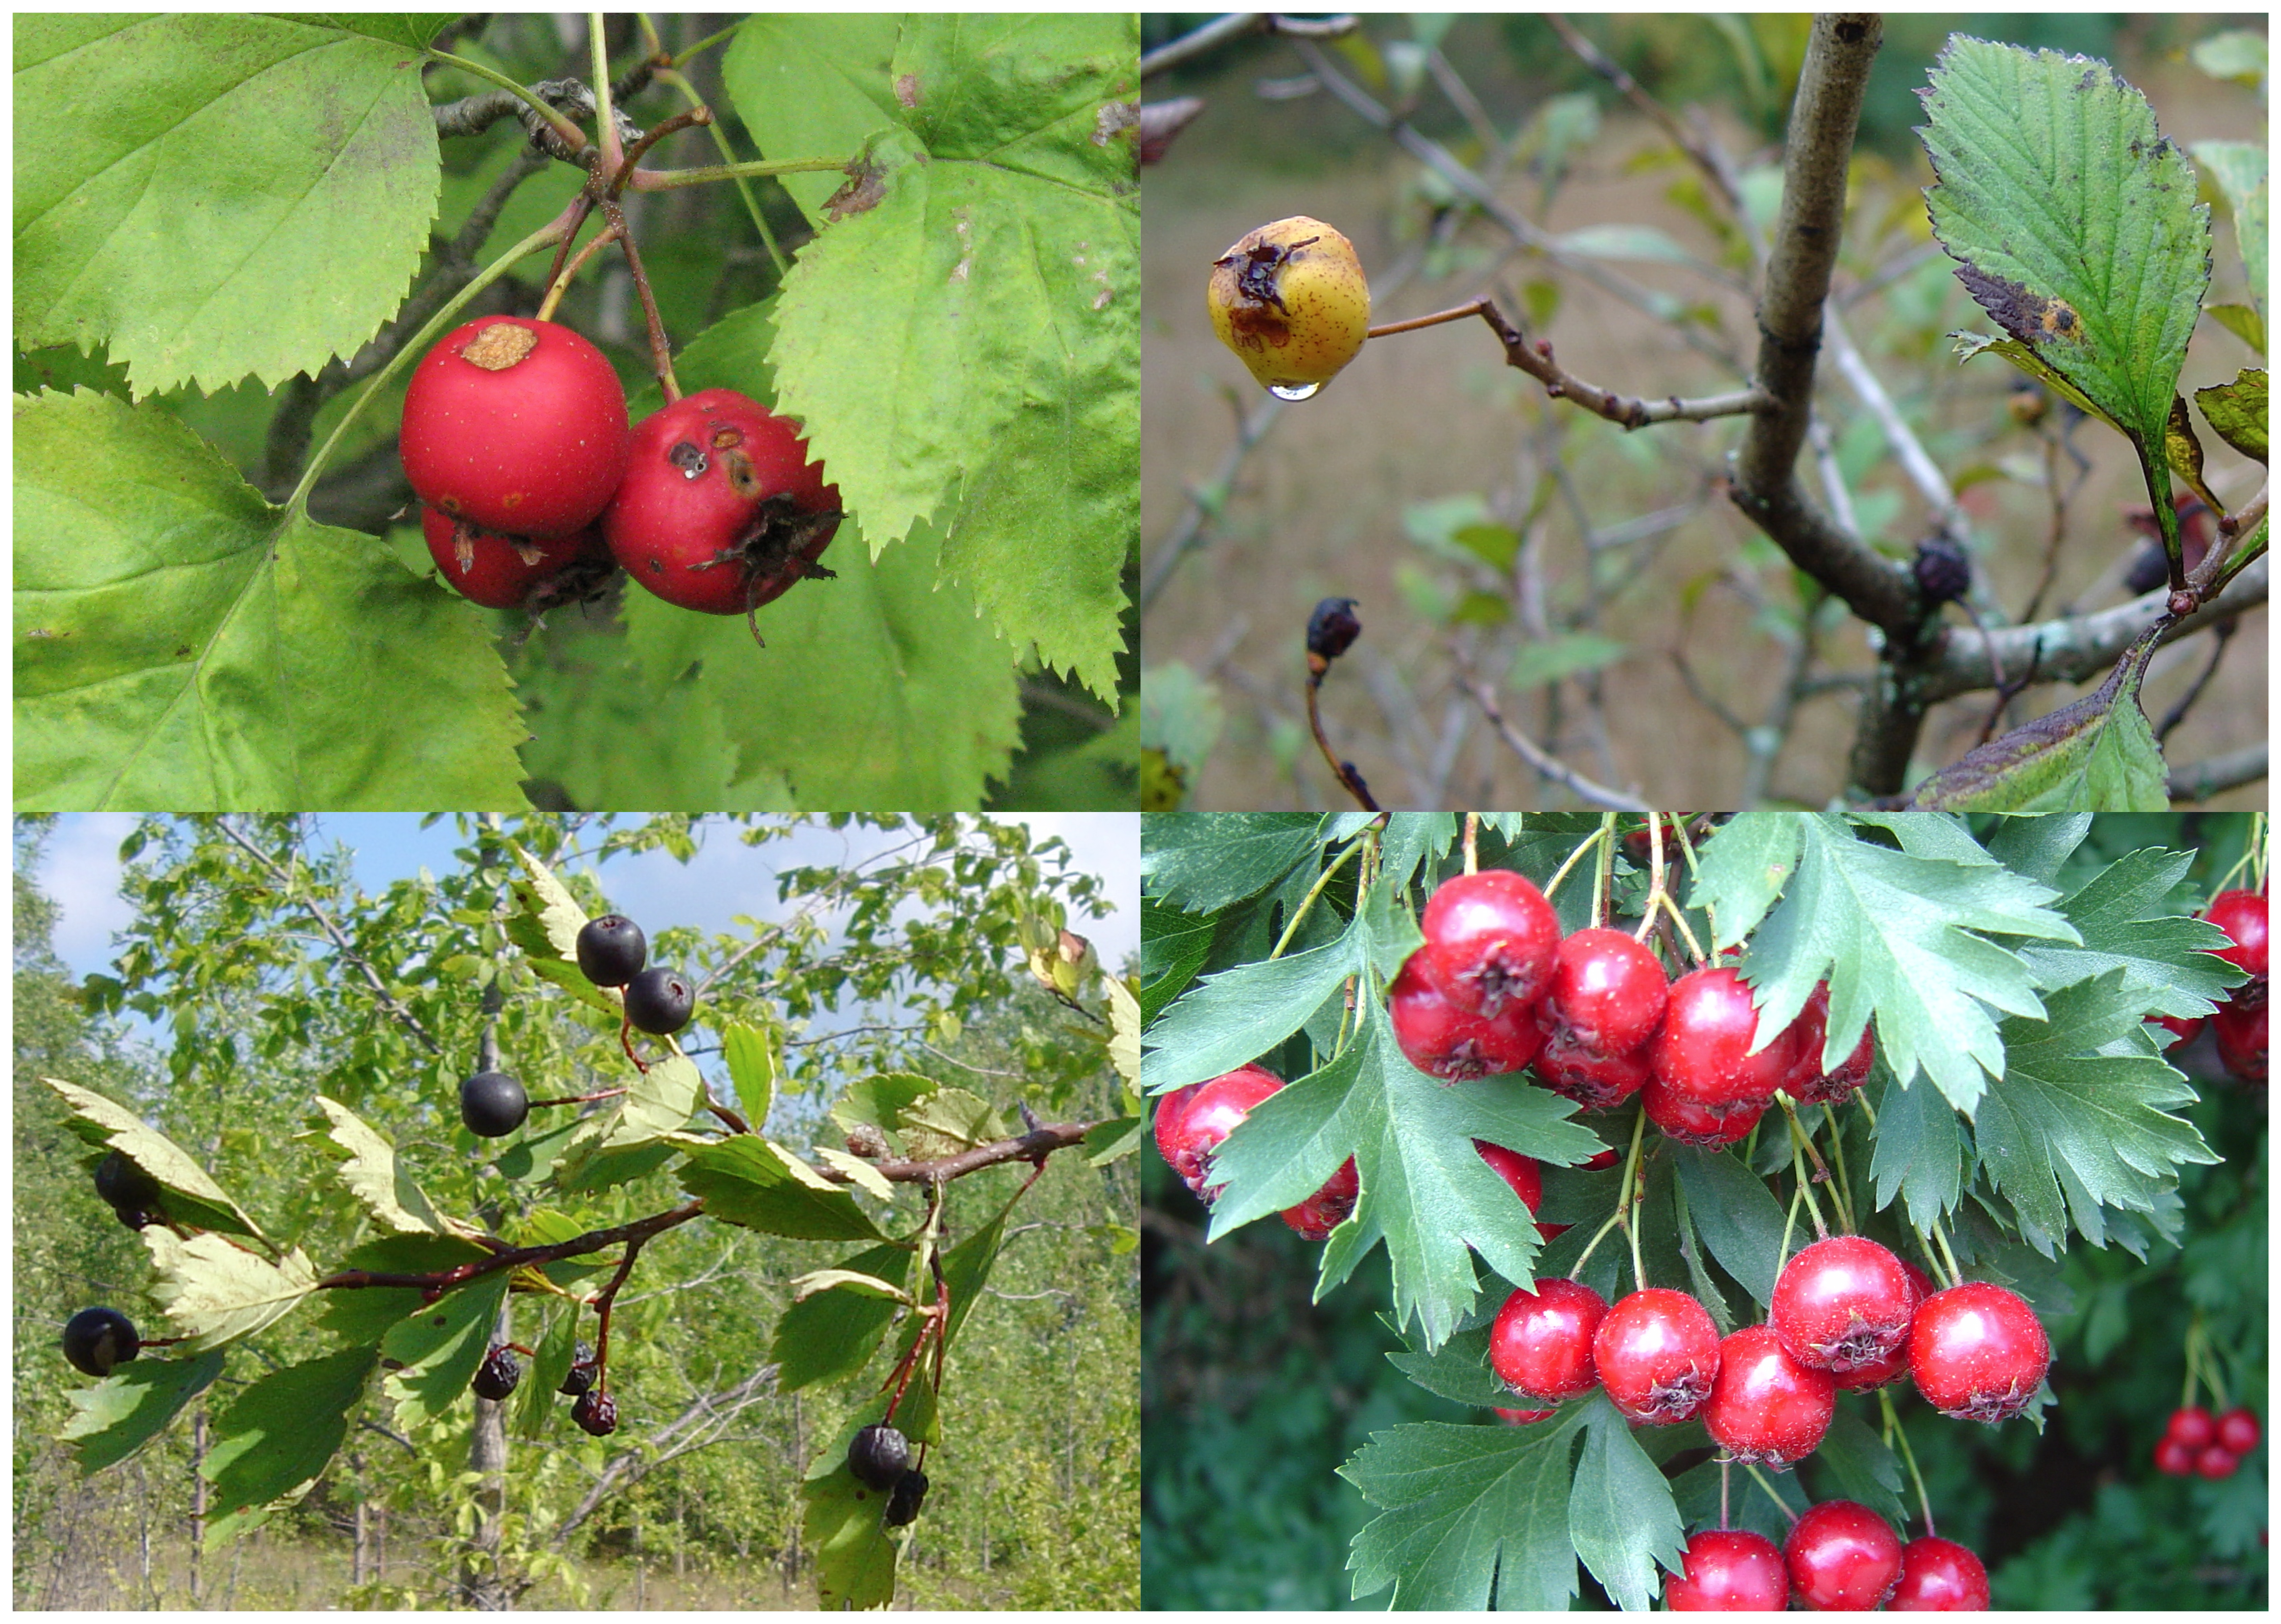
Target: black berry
612	950
659	1002
579	1379
501	1371
597	1412
1332	628
128	1190
1943	572
98	1338
877	1455
492	1104
2150	569
904	1501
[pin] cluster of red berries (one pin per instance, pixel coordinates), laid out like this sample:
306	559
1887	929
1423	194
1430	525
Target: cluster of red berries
2239	1023
1192	1121
1840	1556
534	488
1846	1314
1496	988
2197	1441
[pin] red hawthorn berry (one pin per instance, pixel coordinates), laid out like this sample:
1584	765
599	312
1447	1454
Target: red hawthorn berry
1765	1408
1939	1575
2241	1039
1691	1124
1977	1352
1596	1081
1540	1345
1442	1040
1328	1208
2215	1462
1526	1178
1656	1352
1703	1054
1842	1304
2175	1459
2240	915
2194	1426
1727	1570
1490	942
1608	994
1523	1418
1842	1558
2237	1430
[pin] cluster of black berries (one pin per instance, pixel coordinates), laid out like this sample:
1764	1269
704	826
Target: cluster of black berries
611	953
502	1373
129	1191
880	1458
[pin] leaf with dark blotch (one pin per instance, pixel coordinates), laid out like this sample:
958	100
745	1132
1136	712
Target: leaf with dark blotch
2095	755
2184	448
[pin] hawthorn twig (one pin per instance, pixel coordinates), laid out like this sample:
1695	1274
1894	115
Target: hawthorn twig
1546	764
1042	1141
1234	25
2218	774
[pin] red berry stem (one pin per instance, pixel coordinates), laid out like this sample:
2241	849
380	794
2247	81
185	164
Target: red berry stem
1349	779
673	125
579	1099
563	274
661	352
1473	835
626	1042
603	1302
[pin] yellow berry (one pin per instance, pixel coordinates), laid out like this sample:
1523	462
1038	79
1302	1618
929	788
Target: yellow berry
1290	299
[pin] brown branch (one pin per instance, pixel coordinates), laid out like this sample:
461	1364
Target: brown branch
1546	764
1032	1146
2219	773
1234	25
516	1258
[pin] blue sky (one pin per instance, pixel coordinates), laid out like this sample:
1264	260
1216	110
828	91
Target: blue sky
80	871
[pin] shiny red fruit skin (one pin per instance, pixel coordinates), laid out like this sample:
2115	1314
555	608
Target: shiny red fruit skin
1977	1352
1809	1084
1765	1408
1842	1304
1607	991
1842	1558
2182	1030
1328	1208
1658	1355
2241	1040
1702	1053
1691	1124
1490	942
534	449
1211	1115
1170	1107
1526	1178
1895	1364
1541	1344
1939	1575
2238	1431
2175	1459
2194	1426
1442	1040
732	523
497	576
1523	1418
1727	1570
1596	1081
2215	1462
2240	915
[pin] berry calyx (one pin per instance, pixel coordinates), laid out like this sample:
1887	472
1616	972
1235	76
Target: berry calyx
904	1500
1657	1353
133	1195
1896	1363
596	1412
659	1002
1442	1040
1702	1055
1328	1208
1541	1344
611	950
1842	1557
879	1455
1977	1352
1765	1408
579	1378
97	1339
1727	1570
2240	915
2217	1461
1596	1081
2237	1430
1291	300
515	425
720	510
1842	1304
498	1374
1939	1575
1692	1124
492	1104
509	572
2194	1426
1491	940
1607	991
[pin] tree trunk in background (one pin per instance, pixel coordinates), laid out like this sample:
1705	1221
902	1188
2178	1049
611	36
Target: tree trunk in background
482	1585
198	1508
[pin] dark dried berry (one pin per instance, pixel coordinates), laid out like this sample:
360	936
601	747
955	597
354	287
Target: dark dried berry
1332	628
659	1002
903	1501
98	1338
499	1375
492	1104
877	1455
597	1412
580	1377
612	950
1942	570
2150	569
126	1189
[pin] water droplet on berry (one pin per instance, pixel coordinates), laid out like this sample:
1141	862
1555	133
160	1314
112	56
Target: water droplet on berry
1293	391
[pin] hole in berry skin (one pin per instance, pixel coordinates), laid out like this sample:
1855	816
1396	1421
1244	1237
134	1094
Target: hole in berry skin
656	567
498	346
742	480
690	460
726	436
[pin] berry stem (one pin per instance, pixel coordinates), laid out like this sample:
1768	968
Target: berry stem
1473	835
1726	1474
559	283
1455	312
579	1099
1760	1479
1321	880
1344	772
1894	1434
1604	870
1592	842
1800	1140
689	119
1631	1166
661	352
1940	1238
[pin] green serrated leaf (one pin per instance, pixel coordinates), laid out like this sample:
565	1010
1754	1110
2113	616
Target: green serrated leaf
1744	868
2097	754
2127	923
945	1122
277	1436
547	917
879	1100
1201	862
2238	412
216	1291
441	1347
830	1337
862	1174
366	1314
752	1068
373	1175
192	1198
183	645
805	1286
125	1410
760	1184
1125	1024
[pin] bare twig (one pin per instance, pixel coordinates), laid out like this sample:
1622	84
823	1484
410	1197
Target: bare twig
1546	764
1235	26
2220	637
2218	774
